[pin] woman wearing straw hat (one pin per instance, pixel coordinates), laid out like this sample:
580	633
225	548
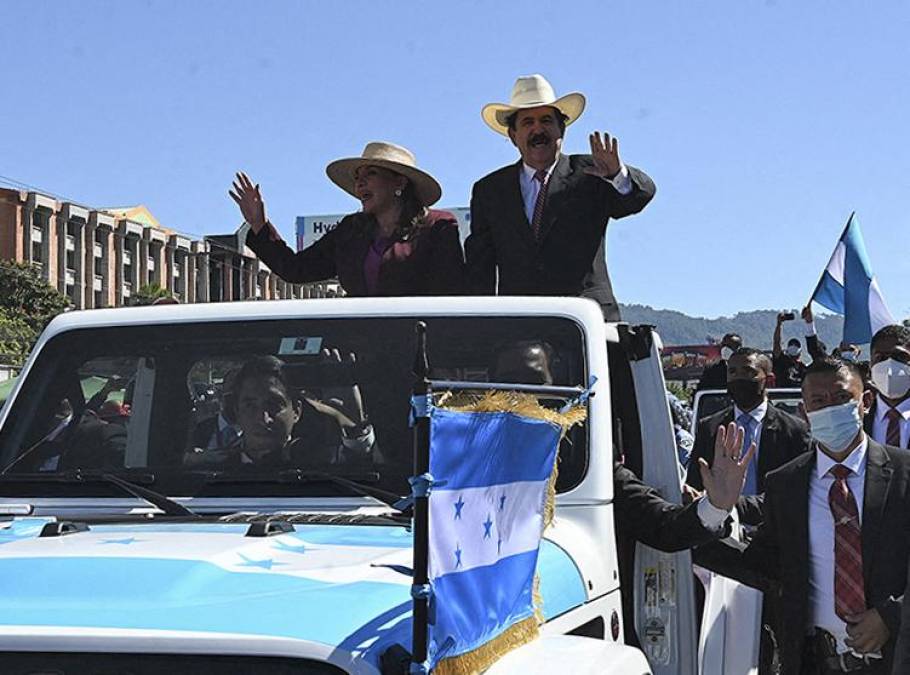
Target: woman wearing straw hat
395	245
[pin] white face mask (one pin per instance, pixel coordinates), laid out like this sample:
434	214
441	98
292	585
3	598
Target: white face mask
793	350
848	356
891	378
836	426
726	353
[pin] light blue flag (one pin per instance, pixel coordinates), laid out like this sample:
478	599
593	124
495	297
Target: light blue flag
486	523
849	287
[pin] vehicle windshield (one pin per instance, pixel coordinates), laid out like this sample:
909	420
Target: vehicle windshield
263	407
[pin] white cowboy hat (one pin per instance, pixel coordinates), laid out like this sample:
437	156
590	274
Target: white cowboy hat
532	91
388	156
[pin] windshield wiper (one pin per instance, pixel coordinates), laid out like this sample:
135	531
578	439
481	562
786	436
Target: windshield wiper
355	483
161	502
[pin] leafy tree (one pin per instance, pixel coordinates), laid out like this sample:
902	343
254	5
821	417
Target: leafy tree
148	293
25	295
16	338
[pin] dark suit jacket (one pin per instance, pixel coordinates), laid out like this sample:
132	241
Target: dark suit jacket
783	437
777	559
568	258
428	261
869	419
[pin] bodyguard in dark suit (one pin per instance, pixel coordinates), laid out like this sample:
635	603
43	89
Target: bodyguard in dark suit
540	224
835	541
778	435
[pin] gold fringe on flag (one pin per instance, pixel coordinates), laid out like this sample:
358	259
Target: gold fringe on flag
526	405
487	654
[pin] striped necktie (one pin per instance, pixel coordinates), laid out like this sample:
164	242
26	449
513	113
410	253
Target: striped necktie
540	177
849	587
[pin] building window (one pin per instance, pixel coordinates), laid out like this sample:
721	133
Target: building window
99	299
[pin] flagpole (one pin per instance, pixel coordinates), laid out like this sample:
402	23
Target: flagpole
421	391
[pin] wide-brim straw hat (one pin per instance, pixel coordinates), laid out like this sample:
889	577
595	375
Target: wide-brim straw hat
388	156
532	91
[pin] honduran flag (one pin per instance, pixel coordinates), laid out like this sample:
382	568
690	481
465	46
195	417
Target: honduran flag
486	523
848	287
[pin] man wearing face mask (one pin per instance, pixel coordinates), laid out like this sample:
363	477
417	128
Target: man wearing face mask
835	541
715	375
888	421
778	436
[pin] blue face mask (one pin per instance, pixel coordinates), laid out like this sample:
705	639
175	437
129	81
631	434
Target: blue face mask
836	426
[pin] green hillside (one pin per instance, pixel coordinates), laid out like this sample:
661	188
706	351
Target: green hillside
755	327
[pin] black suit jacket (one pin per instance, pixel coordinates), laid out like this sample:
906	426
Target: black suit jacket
777	558
783	437
569	256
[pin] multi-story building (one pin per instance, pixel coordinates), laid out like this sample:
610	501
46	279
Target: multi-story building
101	257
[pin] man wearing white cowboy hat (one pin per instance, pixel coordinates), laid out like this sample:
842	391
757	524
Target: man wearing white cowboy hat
541	222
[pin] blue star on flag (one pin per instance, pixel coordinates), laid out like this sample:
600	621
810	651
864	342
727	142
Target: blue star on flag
457	556
502	502
290	548
266	564
487	525
459	505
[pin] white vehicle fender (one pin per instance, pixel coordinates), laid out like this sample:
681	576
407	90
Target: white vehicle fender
578	655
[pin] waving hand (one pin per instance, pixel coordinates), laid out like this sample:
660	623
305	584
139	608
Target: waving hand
249	199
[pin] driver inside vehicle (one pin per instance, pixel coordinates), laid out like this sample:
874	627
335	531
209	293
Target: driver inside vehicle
281	426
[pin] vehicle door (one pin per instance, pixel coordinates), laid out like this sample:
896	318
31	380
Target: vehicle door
662	583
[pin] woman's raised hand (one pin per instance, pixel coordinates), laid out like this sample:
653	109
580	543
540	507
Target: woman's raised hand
249	200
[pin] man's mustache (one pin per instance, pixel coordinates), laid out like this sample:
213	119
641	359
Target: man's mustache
539	139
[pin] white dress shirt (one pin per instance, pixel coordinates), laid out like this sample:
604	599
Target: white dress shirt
530	188
821	538
880	423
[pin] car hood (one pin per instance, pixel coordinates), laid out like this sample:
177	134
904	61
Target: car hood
344	586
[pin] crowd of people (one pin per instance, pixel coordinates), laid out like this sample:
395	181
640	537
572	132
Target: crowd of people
825	495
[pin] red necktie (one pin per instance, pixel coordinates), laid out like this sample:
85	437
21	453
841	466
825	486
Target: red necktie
849	588
540	177
893	435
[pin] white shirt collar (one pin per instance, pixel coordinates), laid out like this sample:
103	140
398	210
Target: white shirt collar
757	413
529	171
882	407
855	461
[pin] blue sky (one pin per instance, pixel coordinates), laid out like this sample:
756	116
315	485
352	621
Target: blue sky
764	124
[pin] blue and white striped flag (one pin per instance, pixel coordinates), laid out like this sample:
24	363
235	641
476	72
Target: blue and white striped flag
486	523
848	287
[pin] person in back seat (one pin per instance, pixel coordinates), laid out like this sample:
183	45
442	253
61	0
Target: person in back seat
267	408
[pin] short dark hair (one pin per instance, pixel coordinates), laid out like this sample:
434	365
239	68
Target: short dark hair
896	332
828	365
561	119
763	361
261	367
794	341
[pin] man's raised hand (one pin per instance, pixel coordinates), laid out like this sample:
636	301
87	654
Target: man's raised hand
249	199
724	479
606	156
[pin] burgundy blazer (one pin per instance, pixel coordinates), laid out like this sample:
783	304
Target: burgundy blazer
427	261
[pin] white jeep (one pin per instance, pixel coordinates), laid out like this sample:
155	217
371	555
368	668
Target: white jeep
140	532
